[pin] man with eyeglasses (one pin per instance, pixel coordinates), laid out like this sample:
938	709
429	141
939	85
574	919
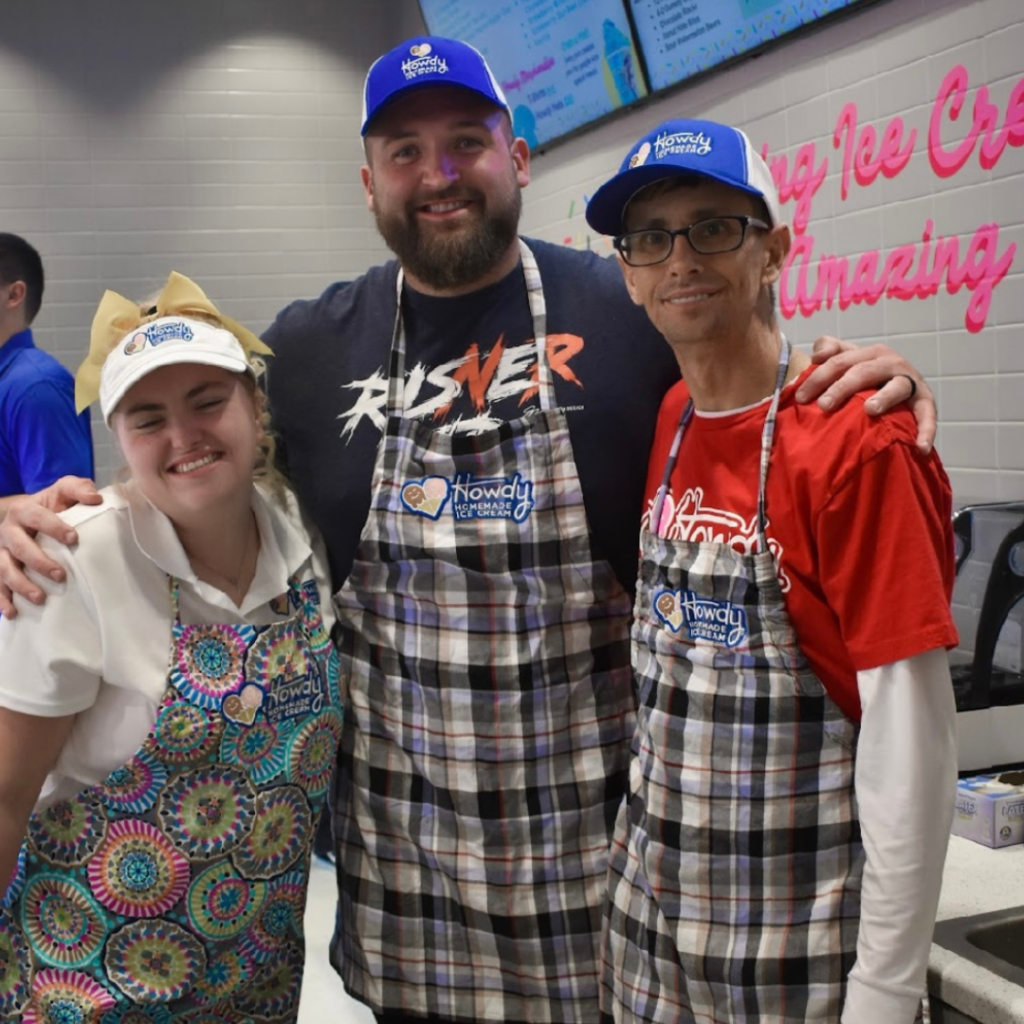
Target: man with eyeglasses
779	853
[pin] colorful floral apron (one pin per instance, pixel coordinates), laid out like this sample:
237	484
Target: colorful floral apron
175	890
487	732
734	884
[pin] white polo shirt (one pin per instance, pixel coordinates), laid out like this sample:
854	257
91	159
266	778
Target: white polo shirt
100	646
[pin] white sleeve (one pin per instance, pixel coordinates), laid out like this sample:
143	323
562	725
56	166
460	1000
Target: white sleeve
906	789
51	657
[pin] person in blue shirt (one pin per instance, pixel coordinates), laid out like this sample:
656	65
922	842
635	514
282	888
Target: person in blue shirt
42	438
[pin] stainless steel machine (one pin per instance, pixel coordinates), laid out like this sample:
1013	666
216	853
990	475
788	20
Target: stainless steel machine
988	607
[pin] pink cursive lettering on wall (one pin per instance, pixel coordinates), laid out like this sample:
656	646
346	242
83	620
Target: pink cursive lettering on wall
918	269
914	271
949	105
861	156
802	185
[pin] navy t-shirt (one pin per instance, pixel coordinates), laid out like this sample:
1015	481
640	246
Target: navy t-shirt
469	362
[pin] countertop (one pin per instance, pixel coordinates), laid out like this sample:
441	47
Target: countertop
978	880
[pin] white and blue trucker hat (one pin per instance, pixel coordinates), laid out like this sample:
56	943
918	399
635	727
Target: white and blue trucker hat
427	60
683	147
167	341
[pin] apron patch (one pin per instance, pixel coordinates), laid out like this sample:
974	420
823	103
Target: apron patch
718	622
242	707
300	694
426	497
295	685
492	497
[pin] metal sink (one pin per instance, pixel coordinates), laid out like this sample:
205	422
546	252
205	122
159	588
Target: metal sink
994	941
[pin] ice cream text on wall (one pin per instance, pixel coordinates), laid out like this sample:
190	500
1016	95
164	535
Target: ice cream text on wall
918	269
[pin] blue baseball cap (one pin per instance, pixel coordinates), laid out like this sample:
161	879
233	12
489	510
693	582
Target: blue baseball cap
683	147
423	61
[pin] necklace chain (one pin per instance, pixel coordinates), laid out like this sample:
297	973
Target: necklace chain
236	579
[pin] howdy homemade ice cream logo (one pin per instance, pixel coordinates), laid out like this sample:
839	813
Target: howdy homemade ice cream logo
157	334
640	156
293	697
426	497
491	497
471	497
297	690
423	63
718	622
681	142
242	707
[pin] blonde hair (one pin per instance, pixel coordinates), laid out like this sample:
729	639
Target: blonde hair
266	472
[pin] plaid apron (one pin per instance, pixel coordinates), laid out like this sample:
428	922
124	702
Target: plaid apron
176	888
734	883
486	741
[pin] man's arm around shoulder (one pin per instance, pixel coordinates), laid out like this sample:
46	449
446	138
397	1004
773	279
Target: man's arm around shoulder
26	516
6	503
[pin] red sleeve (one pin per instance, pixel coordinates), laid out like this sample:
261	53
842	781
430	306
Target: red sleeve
890	585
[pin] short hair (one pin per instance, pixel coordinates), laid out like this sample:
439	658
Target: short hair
19	261
675	182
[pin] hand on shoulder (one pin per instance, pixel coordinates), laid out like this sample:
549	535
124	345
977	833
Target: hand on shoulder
34	514
846	368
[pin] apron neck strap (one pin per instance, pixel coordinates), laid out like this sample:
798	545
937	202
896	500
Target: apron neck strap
657	527
767	439
175	604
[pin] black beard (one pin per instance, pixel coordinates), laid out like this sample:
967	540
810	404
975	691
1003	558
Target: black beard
445	262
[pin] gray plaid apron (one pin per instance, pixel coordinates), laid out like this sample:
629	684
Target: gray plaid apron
491	705
734	883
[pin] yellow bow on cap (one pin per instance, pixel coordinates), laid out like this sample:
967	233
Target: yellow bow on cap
118	316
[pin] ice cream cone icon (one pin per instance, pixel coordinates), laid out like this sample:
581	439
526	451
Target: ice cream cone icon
427	496
413	496
667	607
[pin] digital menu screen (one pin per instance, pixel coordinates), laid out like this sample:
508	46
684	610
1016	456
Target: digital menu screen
682	38
561	63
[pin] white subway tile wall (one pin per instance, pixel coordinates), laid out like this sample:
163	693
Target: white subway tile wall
890	60
219	138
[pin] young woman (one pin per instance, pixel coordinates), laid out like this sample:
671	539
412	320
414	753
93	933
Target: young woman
169	719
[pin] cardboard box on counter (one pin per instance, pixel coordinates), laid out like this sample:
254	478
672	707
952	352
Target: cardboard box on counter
990	809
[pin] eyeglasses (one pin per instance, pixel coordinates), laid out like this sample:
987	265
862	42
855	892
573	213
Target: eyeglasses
714	235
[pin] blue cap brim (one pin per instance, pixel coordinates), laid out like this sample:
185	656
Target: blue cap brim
405	90
608	204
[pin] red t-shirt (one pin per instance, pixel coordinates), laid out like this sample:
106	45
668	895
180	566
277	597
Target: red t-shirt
859	523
